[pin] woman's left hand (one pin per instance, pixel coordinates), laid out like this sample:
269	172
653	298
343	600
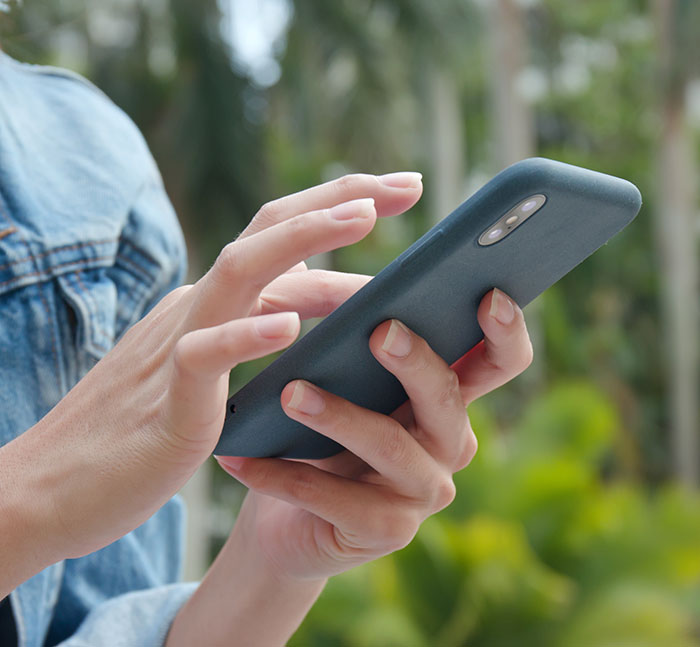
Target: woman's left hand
309	520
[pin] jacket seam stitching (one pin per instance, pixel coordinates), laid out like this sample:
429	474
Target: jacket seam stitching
142	271
55	250
84	261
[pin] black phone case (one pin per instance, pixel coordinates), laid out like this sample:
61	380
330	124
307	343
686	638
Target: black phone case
434	287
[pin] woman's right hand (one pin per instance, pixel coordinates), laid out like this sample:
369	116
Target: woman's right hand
137	426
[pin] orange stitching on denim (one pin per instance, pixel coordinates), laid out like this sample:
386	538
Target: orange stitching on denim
55	250
141	270
7	232
83	261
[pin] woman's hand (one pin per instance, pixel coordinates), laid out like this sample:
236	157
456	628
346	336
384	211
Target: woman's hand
303	521
137	426
309	520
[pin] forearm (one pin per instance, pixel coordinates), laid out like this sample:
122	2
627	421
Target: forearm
28	543
243	602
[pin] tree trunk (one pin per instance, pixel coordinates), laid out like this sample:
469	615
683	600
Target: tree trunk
447	146
512	127
676	236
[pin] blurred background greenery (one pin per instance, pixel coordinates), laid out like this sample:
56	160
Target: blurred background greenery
579	521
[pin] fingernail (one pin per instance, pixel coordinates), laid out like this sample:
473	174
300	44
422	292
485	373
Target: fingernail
306	399
402	179
362	208
231	463
502	309
280	324
398	340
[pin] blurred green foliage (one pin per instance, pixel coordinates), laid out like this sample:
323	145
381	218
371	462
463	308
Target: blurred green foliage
542	546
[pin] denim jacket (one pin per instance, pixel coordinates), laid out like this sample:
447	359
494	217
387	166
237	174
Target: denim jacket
88	244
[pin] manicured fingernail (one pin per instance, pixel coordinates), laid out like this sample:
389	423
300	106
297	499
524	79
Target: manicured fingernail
362	208
502	309
398	340
231	463
306	399
402	179
280	324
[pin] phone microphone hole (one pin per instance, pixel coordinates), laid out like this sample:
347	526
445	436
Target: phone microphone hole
232	408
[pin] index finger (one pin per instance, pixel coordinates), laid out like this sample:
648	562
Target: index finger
393	194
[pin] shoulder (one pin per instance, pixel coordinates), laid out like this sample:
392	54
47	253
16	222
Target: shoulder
81	200
68	110
70	159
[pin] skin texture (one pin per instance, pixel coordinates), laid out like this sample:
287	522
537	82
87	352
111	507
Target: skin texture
137	426
158	400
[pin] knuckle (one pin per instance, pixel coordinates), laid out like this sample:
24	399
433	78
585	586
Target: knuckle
258	476
230	340
444	492
302	231
321	280
299	225
398	530
323	288
182	357
229	263
269	213
390	528
233	266
449	393
422	356
512	357
351	184
470	446
391	444
302	485
419	359
492	358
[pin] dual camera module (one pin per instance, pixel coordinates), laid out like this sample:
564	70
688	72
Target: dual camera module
512	219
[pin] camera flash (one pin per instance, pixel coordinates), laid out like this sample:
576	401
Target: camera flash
512	220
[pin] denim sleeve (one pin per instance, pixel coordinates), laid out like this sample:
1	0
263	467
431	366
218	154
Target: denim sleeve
89	243
138	619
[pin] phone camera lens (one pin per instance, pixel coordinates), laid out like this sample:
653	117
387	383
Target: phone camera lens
511	220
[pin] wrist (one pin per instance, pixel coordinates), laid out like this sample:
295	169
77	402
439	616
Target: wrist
296	593
245	600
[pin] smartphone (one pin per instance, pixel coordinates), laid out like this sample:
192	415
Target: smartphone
521	232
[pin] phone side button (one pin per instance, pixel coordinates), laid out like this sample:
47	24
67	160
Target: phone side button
419	251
